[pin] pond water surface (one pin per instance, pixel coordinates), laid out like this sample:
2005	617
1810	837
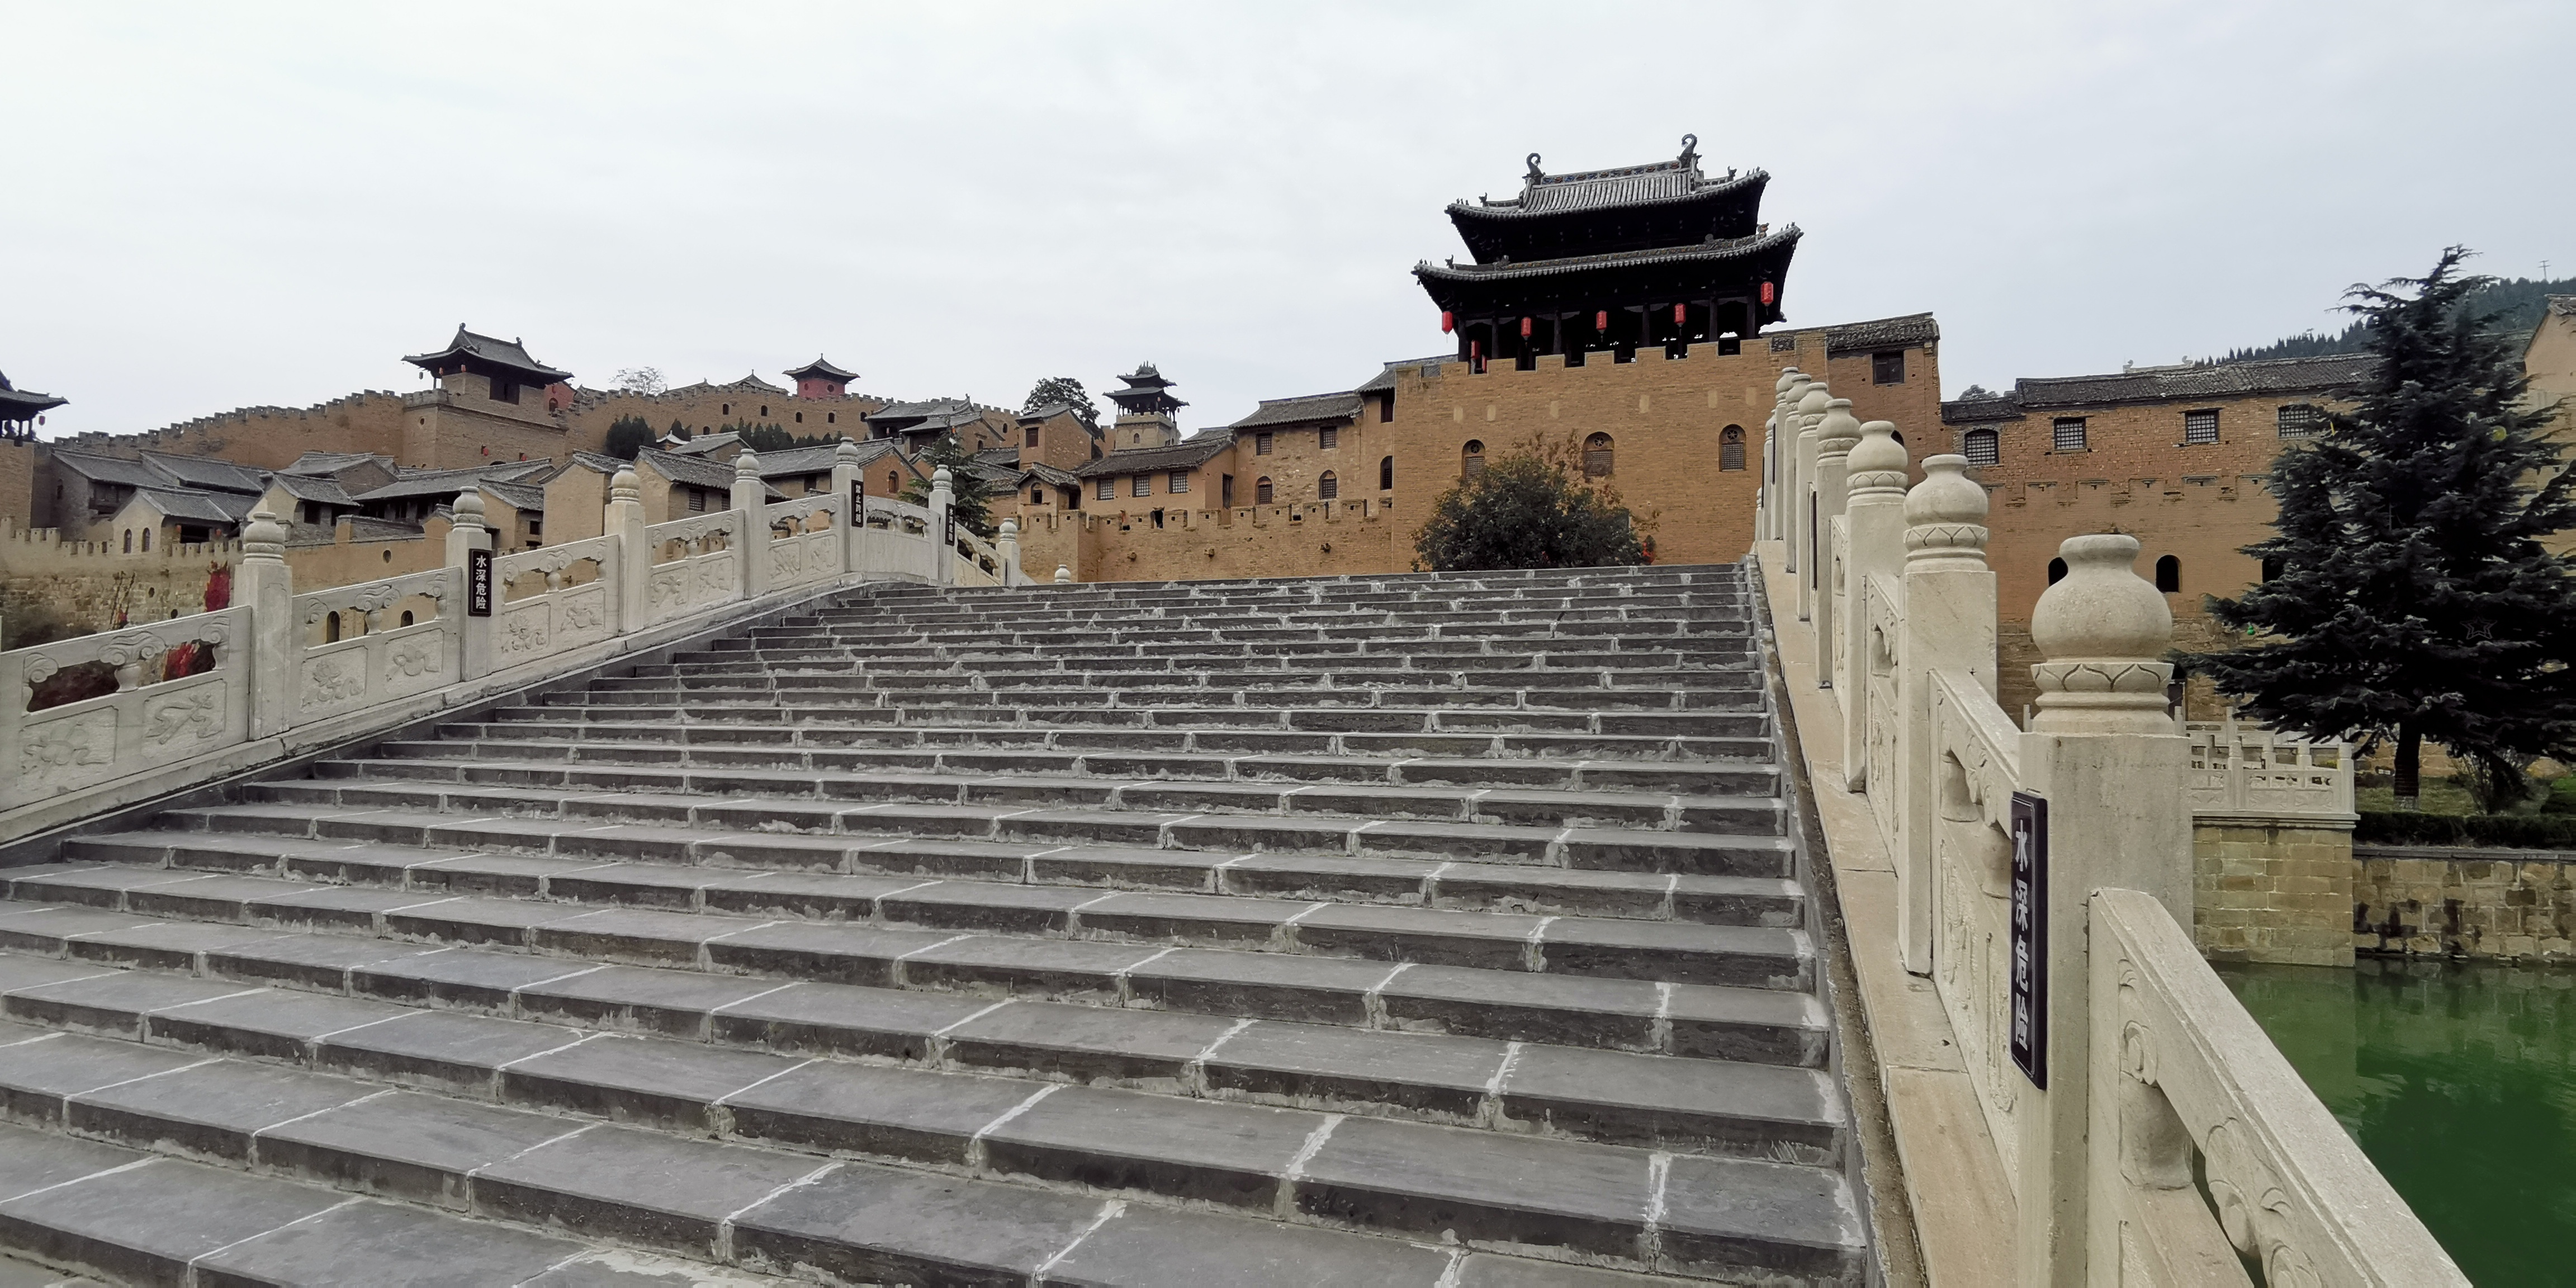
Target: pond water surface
2459	1081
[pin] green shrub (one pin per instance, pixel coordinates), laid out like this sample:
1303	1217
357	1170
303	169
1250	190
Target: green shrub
2544	831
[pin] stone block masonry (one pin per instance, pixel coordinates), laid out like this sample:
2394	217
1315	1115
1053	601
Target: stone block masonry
2269	891
2458	902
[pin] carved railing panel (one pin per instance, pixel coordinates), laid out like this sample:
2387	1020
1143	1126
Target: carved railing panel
1882	609
806	557
180	688
1838	585
694	536
1976	767
2245	769
2183	1068
353	673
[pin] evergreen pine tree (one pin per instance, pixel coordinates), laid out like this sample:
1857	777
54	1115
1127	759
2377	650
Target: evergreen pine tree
969	495
2414	599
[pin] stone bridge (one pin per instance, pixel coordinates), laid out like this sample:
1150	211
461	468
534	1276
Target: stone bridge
762	898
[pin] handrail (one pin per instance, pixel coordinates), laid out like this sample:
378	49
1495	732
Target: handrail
2195	1073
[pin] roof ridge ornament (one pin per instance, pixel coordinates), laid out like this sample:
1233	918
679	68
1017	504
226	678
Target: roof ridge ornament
1690	151
1535	174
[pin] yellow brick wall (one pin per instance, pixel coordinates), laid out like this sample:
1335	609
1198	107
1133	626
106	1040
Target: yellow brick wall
2451	902
2273	893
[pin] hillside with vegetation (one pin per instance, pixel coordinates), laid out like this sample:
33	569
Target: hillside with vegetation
2517	301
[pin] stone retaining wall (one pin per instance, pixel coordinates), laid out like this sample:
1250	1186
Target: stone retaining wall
2269	890
2425	900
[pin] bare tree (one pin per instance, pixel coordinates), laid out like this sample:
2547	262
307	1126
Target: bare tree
641	380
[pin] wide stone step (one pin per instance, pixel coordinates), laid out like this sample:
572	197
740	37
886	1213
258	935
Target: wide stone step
828	747
1711	670
983	707
860	675
801	773
873	730
135	1213
189	919
922	1051
594	812
282	1095
860	692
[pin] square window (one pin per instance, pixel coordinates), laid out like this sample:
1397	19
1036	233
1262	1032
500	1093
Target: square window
1141	485
697	500
2299	420
1982	447
1887	368
2200	426
1179	483
1328	437
1033	435
2069	435
1108	489
1261	444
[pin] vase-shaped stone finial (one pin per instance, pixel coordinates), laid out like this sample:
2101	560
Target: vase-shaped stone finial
1839	430
1945	518
2104	630
1877	462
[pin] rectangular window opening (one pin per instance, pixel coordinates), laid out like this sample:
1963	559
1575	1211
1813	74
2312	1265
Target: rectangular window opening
1887	368
1261	444
2068	434
2200	426
1179	483
1328	437
1141	485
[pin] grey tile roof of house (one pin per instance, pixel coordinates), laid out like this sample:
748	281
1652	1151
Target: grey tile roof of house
207	507
2219	380
1193	451
1306	409
1626	186
1385	378
1045	473
323	489
1738	248
1881	333
794	461
695	472
820	367
207	472
700	445
109	469
523	497
333	462
451	482
1981	411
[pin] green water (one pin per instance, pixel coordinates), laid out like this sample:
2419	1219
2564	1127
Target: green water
2459	1081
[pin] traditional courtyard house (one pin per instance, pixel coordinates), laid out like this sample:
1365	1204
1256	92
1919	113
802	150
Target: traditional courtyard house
158	517
677	486
88	489
1143	484
918	425
355	472
1291	451
1054	435
720	447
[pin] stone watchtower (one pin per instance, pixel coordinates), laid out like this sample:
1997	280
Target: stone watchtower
493	402
820	379
1145	411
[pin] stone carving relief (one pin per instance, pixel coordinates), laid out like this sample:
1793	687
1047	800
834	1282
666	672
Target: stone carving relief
65	748
189	716
525	630
413	658
334	679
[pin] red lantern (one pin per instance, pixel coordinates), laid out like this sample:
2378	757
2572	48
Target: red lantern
1769	293
1449	321
1601	321
1679	316
1525	328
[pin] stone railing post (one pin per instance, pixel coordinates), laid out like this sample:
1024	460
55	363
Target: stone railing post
1836	434
1874	521
623	523
2103	753
1809	530
1949	626
943	526
1063	575
476	636
1006	544
750	499
1784	414
846	484
267	588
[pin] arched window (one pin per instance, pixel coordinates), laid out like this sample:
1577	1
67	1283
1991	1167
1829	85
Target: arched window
1261	490
1730	448
147	541
406	617
2169	574
1471	459
1386	474
1597	457
727	409
1037	496
1327	487
831	418
894	483
1981	447
2056	571
331	629
800	418
129	541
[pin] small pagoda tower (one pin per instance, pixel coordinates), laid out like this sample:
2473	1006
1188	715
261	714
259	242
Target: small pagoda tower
1613	260
820	379
21	411
1145	411
499	369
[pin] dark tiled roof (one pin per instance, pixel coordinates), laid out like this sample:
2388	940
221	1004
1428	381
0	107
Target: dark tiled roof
2563	305
1301	411
1197	450
22	404
419	482
1981	411
819	367
2219	380
206	507
500	353
695	472
1045	473
1739	248
523	497
793	461
110	469
1884	333
1676	180
333	462
323	488
702	444
367	528
206	472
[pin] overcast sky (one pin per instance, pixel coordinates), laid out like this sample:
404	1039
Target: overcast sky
209	206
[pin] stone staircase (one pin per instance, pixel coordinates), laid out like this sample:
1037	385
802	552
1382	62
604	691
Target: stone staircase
1431	929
